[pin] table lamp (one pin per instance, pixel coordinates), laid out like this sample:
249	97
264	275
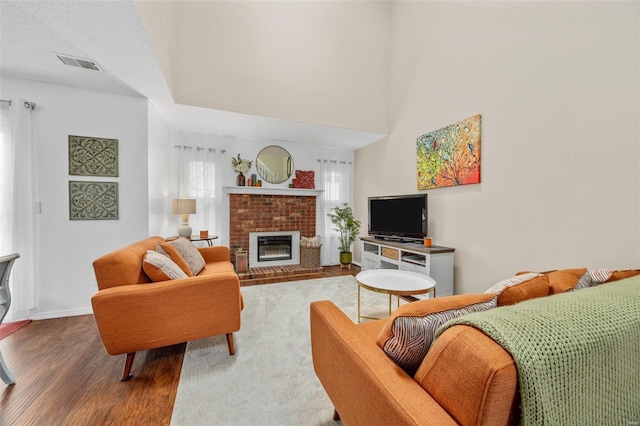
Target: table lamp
185	207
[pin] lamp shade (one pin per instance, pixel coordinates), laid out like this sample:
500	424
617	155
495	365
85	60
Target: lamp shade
183	206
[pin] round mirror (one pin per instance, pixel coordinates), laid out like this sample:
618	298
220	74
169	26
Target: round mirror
274	164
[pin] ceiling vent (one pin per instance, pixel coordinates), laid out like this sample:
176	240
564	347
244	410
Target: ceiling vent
78	62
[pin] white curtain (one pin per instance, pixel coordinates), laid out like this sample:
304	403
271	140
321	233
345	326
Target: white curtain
18	205
200	178
336	181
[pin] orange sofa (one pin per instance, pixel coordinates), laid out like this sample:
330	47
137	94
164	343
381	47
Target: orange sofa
133	313
465	379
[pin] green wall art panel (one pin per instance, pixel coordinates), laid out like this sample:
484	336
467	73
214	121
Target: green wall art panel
93	200
93	156
449	156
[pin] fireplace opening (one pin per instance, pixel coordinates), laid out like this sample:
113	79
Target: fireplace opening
274	248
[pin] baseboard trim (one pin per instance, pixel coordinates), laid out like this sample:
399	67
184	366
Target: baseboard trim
62	314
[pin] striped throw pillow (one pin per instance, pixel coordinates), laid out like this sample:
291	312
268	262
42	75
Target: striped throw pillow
408	333
599	276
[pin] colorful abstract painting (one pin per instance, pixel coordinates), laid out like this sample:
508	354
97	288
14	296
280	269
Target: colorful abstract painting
450	156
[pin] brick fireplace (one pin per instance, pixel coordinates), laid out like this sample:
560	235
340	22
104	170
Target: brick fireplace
264	212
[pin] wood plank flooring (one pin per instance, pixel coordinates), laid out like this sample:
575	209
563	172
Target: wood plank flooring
64	376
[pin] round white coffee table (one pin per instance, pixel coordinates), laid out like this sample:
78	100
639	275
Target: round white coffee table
394	283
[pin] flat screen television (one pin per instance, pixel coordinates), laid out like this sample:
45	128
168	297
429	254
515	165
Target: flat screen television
401	217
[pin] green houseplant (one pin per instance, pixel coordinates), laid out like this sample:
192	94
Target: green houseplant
348	226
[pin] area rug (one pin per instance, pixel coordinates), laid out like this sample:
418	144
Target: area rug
12	327
270	380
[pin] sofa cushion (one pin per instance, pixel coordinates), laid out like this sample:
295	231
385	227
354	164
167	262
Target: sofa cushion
217	267
408	333
520	287
177	258
599	276
161	268
564	279
620	274
185	254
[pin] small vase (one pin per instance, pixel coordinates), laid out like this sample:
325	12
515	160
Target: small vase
240	181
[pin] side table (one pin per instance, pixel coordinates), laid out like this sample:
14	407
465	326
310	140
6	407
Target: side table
194	238
393	282
209	239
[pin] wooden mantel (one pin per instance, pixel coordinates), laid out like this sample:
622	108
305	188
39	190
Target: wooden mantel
263	190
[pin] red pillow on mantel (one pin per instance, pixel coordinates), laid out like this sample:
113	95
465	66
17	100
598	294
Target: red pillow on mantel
304	179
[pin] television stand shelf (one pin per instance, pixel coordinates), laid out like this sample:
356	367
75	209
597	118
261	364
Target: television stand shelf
435	262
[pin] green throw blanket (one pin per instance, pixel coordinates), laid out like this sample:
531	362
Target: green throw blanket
577	354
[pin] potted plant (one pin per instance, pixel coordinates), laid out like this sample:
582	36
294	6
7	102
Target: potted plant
348	227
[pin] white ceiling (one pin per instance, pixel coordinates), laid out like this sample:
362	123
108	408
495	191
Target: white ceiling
112	34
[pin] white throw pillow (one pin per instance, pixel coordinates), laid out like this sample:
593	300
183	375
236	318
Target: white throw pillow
160	268
188	252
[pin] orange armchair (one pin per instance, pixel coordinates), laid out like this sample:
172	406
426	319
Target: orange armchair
132	313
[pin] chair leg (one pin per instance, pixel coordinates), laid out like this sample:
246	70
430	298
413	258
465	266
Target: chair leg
126	374
336	416
5	374
232	350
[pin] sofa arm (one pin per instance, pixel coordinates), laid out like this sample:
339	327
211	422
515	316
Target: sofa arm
465	361
145	316
215	254
365	386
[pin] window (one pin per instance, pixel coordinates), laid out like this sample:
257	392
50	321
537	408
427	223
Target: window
336	183
199	177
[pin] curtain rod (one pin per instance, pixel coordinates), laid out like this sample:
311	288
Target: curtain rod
333	161
27	104
199	148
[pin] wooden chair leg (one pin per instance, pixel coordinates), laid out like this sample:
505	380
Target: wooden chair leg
232	350
336	416
126	374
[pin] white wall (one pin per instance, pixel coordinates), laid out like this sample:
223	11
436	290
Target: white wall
323	62
305	157
66	249
557	86
160	26
160	179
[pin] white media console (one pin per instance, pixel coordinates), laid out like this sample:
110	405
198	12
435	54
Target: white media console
436	261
